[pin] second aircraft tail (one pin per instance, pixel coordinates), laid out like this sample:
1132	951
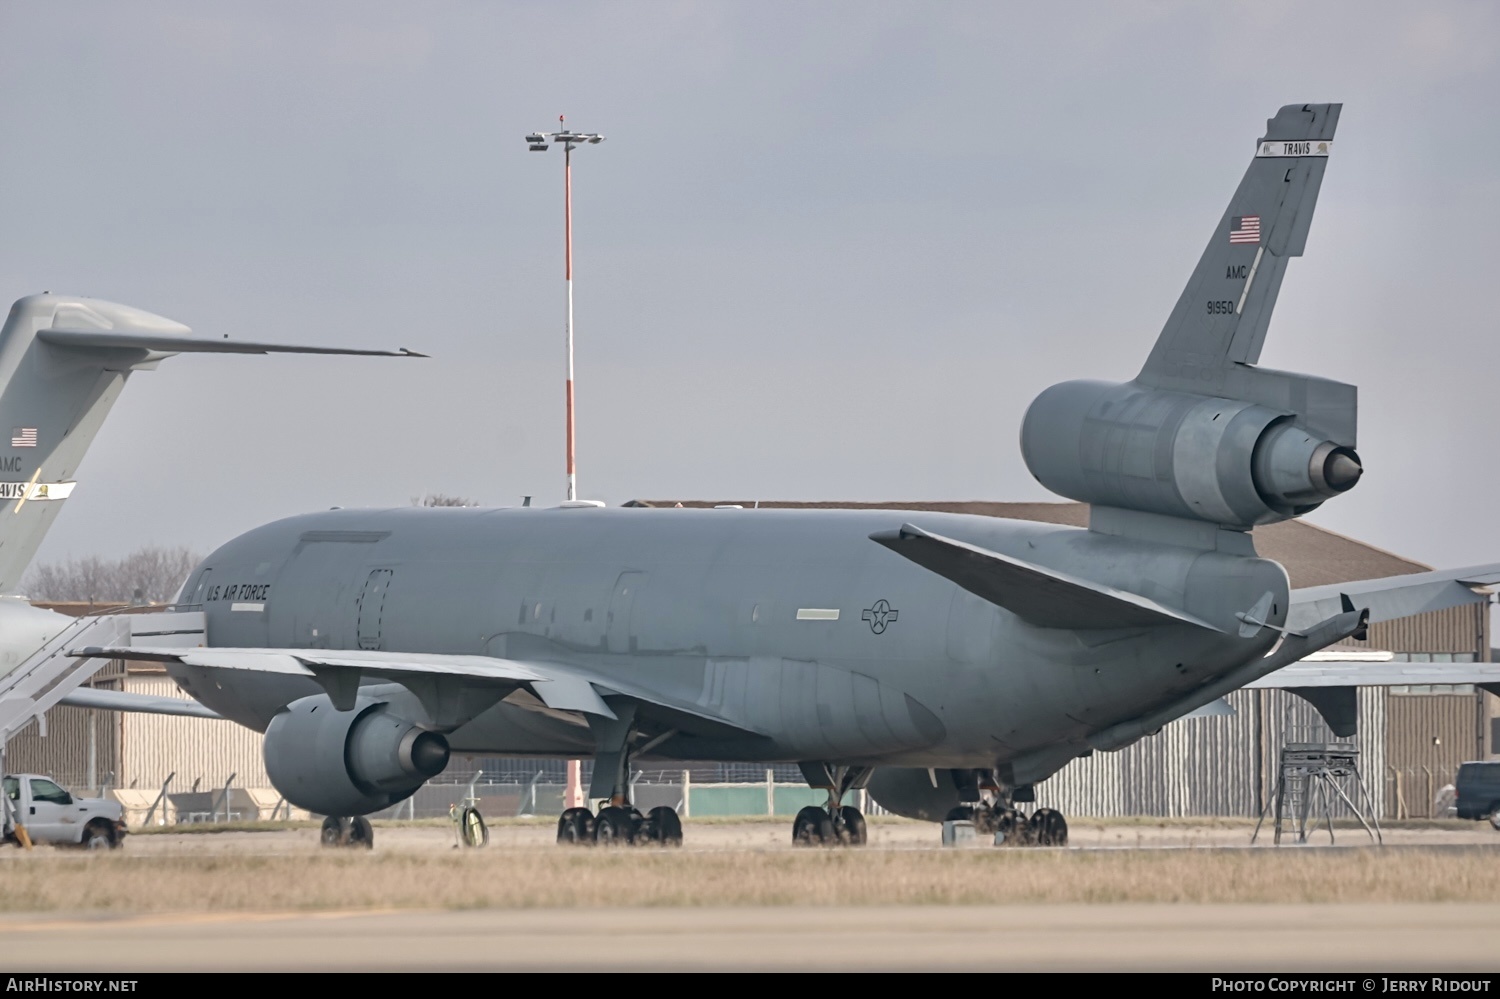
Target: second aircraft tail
63	363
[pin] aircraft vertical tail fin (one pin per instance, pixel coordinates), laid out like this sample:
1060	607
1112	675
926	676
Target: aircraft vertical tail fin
52	403
1221	318
63	362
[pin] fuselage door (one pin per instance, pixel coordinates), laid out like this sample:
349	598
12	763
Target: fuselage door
621	602
372	607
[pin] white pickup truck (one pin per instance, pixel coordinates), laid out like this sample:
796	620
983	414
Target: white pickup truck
52	815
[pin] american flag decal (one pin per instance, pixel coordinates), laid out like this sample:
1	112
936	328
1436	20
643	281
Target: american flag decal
23	437
1244	229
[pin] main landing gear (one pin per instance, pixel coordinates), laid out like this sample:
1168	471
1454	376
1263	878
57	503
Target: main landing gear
618	822
620	825
995	814
833	823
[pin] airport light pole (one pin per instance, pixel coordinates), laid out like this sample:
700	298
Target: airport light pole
537	142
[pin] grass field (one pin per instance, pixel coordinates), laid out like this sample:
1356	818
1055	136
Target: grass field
59	881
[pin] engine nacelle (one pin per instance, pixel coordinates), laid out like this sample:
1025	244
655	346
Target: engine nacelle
349	762
1226	461
911	794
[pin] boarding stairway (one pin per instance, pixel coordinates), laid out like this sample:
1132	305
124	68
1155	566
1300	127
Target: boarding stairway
50	674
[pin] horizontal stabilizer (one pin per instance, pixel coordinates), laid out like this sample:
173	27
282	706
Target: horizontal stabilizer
1391	597
1363	673
171	344
1044	597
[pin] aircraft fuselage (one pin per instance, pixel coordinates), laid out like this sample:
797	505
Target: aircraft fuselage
790	624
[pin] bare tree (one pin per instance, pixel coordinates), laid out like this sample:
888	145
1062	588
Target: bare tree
150	574
442	499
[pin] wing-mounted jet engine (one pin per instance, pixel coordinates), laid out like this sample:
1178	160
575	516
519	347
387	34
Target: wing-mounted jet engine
1201	433
333	762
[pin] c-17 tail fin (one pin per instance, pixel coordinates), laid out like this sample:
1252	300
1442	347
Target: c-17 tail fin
63	362
1222	316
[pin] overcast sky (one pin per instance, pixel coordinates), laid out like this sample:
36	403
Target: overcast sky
829	251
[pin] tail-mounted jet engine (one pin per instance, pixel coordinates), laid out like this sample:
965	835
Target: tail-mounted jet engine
1233	462
334	762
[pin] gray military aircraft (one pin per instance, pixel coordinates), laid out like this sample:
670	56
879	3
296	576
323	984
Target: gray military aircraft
943	661
64	360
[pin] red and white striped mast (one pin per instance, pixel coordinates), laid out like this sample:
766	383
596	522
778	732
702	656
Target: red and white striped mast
538	144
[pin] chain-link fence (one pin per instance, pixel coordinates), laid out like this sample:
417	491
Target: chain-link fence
1420	793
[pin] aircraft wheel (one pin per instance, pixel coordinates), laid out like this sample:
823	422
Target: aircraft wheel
614	827
335	831
471	828
855	832
1495	817
575	827
1048	827
361	833
663	826
812	827
1010	828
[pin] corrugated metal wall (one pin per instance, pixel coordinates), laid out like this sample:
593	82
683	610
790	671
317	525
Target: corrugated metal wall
1456	629
1223	765
197	749
63	754
1429	736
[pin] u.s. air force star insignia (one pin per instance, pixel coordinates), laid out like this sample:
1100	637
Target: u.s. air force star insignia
879	616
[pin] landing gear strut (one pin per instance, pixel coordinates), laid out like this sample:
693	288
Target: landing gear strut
619	822
834	823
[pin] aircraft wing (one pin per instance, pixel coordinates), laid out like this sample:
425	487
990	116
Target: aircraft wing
1044	597
555	686
1391	597
559	687
123	700
170	343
